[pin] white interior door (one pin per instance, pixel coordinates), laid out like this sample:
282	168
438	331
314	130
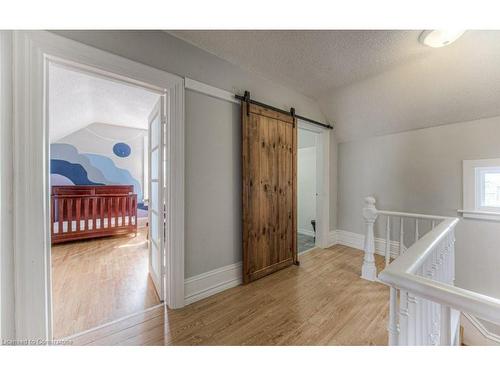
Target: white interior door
156	207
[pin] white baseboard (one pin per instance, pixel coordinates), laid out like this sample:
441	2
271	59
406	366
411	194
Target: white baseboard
306	232
356	241
141	222
209	283
475	333
212	282
332	238
306	251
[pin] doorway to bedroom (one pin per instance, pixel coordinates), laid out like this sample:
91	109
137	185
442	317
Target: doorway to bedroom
107	183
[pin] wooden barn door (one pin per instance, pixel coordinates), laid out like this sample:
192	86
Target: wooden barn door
269	148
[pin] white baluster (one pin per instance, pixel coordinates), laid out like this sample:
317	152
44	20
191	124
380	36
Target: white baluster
426	322
401	236
412	320
403	318
393	317
447	260
416	230
428	306
434	306
388	241
452	258
419	316
433	224
445	326
369	270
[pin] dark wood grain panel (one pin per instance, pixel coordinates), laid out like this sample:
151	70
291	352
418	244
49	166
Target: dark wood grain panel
269	191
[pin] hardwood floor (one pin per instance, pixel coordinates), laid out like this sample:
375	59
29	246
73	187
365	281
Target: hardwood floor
98	281
321	302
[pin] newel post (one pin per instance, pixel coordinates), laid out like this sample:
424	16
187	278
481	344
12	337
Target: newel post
369	270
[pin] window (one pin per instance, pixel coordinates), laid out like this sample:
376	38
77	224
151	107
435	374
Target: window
481	194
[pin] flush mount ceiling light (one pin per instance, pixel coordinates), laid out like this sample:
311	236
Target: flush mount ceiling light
439	38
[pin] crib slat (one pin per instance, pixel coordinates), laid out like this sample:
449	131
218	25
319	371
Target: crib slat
60	214
124	209
101	216
85	214
69	208
129	208
108	201
94	213
78	209
133	207
52	215
117	204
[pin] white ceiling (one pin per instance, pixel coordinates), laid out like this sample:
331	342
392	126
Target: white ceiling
372	82
77	99
311	62
457	83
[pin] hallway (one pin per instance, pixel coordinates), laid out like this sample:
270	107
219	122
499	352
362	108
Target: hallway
321	302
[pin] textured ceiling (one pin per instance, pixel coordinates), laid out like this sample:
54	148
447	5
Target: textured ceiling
311	62
372	82
457	83
77	99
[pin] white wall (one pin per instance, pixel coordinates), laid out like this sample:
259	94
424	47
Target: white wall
213	184
306	185
421	171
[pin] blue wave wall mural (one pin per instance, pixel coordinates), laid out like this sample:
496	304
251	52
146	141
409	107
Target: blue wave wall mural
72	171
68	164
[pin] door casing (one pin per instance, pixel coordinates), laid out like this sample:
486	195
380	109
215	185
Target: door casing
33	51
322	182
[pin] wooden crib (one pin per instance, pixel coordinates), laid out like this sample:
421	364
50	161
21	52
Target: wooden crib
80	212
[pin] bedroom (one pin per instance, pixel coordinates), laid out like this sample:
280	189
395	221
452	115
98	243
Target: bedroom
99	182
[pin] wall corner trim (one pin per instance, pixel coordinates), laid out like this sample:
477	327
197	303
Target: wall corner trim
332	238
203	88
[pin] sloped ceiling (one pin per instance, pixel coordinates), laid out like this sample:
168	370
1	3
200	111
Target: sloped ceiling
372	82
78	99
311	62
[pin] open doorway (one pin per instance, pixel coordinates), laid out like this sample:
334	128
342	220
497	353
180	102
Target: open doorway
307	189
107	200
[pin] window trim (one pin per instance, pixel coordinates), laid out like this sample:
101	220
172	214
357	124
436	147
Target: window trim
472	203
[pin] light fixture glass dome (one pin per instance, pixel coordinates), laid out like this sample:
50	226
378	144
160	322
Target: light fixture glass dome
439	38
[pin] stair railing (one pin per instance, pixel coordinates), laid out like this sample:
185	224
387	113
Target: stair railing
396	225
424	303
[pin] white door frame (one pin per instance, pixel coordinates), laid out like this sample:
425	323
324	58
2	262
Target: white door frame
322	181
33	50
6	128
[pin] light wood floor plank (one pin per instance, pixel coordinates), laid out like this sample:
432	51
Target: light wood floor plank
321	302
98	281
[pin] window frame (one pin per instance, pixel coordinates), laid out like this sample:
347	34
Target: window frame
473	189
